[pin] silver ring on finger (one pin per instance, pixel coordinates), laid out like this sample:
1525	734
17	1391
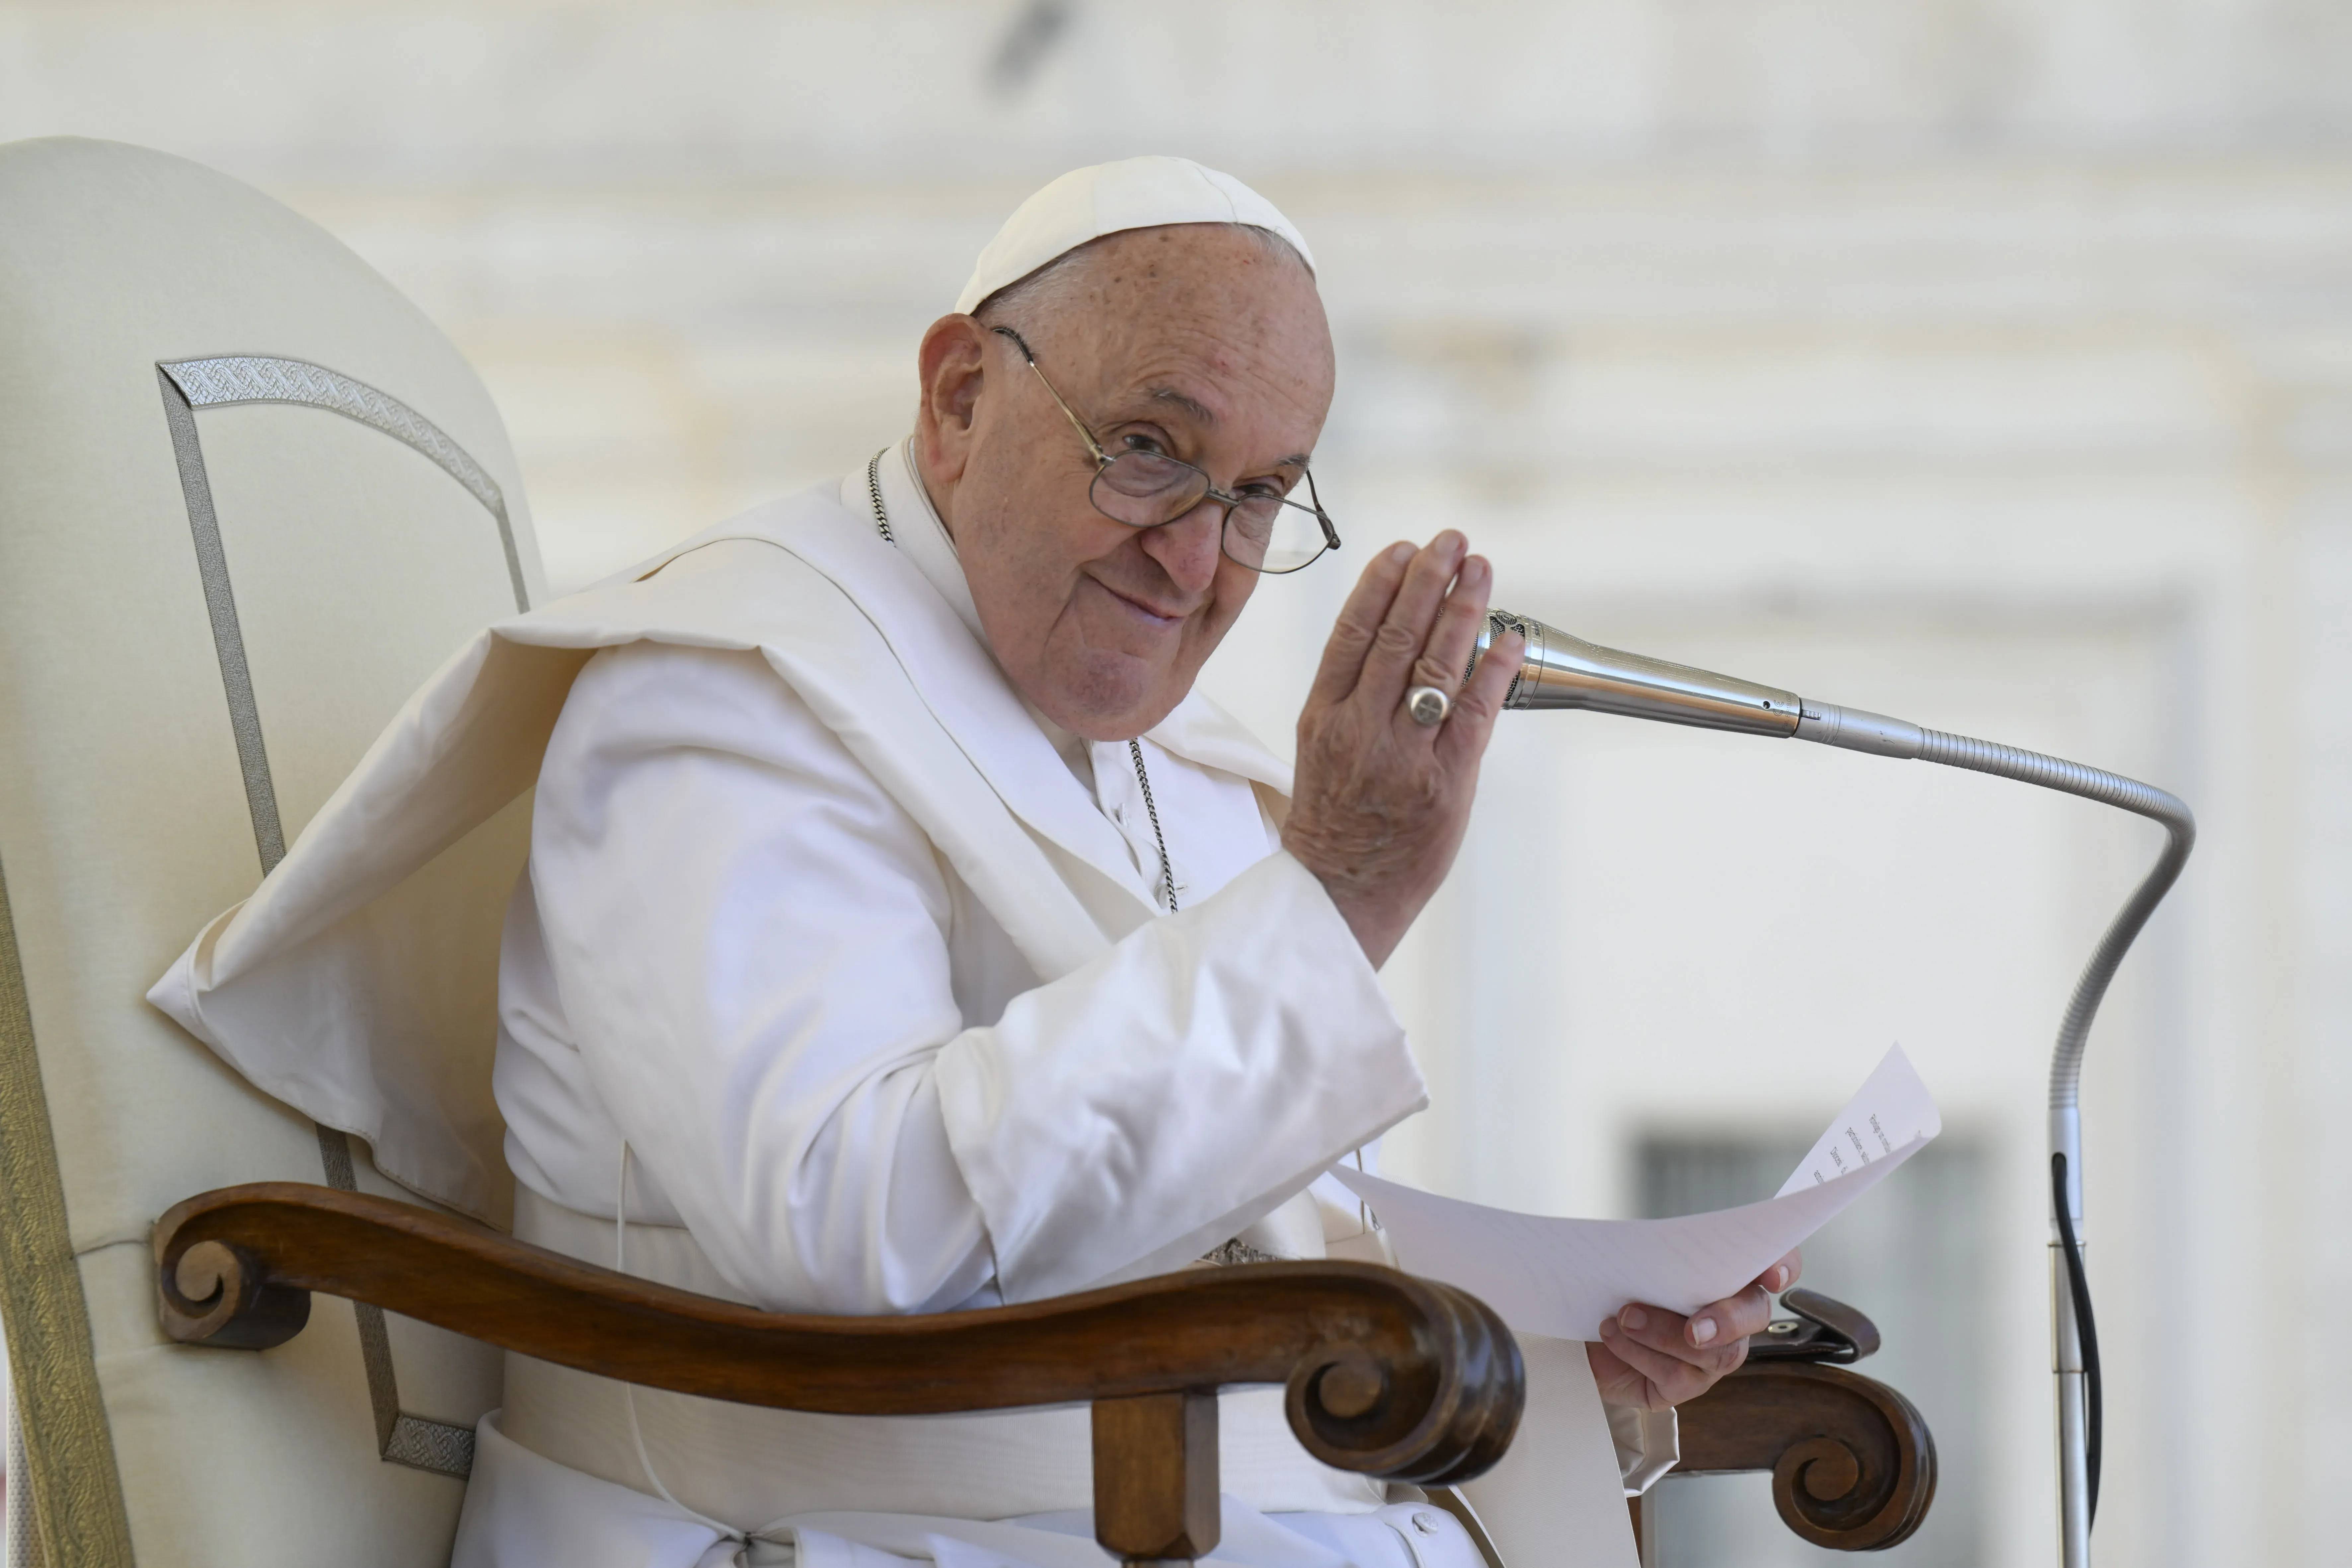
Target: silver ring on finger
1428	706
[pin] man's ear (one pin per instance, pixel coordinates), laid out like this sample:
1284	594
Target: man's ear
952	365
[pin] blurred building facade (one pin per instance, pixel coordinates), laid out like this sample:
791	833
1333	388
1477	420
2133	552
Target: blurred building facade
1984	362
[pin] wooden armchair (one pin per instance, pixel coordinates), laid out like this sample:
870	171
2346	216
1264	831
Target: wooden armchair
1384	1374
249	499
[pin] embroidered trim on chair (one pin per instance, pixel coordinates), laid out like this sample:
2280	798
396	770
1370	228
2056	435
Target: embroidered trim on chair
228	637
401	1438
260	378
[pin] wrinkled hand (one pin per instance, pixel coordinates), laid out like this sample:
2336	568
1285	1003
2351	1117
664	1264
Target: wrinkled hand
1652	1359
1381	801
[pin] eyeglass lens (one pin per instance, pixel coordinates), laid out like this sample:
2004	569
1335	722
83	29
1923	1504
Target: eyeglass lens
1264	532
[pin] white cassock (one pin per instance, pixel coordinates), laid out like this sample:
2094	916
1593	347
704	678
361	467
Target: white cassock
855	979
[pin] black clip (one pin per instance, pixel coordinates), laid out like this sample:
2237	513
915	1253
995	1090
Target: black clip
1822	1329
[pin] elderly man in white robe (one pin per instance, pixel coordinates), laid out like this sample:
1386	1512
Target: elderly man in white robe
901	933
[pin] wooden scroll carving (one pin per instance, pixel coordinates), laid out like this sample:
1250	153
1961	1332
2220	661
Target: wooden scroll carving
1384	1374
1854	1466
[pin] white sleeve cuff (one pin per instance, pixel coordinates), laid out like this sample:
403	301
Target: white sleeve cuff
1649	1443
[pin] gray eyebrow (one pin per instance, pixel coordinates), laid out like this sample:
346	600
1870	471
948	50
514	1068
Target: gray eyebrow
1191	406
1194	407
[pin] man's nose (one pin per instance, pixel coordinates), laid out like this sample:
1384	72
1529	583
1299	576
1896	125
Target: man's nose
1187	547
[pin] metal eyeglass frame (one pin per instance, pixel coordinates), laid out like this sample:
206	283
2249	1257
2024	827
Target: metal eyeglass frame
1208	491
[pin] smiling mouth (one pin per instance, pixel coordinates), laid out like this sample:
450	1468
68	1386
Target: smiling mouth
1158	618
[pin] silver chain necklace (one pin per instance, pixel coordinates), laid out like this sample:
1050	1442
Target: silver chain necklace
1167	872
1134	747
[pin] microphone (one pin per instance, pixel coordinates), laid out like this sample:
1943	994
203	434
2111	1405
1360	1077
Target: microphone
1559	671
1562	671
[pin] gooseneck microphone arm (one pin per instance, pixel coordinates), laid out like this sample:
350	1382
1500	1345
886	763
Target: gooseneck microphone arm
1560	671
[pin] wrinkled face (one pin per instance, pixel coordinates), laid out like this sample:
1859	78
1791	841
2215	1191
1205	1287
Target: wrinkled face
1193	339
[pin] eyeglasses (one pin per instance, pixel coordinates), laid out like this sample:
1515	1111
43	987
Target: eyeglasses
1264	529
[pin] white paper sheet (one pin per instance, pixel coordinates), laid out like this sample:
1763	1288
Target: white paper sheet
1563	1276
1892	1108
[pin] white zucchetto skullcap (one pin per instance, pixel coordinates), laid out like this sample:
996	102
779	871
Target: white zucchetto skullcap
1106	198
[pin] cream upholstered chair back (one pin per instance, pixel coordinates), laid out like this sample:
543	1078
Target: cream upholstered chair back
249	499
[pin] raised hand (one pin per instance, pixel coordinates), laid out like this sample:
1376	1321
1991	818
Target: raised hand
1380	801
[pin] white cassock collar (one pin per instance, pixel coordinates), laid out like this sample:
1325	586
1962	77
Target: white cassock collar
917	530
923	538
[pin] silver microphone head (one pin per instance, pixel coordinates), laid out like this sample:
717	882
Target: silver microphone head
1561	671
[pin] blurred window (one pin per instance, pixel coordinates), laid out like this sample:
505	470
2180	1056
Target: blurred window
1912	1255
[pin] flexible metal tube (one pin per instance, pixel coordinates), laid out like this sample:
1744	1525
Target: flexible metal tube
2074	1340
2109	789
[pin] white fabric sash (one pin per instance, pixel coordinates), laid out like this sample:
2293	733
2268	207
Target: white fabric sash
523	1511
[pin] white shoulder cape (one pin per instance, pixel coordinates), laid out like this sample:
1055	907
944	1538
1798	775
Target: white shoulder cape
359	984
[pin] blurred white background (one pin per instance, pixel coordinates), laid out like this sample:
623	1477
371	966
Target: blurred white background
1986	361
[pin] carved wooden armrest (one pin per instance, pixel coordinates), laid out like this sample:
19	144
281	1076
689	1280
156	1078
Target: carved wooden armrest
1854	1466
1384	1374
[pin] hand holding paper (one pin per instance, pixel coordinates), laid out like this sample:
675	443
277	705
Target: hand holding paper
1646	1358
